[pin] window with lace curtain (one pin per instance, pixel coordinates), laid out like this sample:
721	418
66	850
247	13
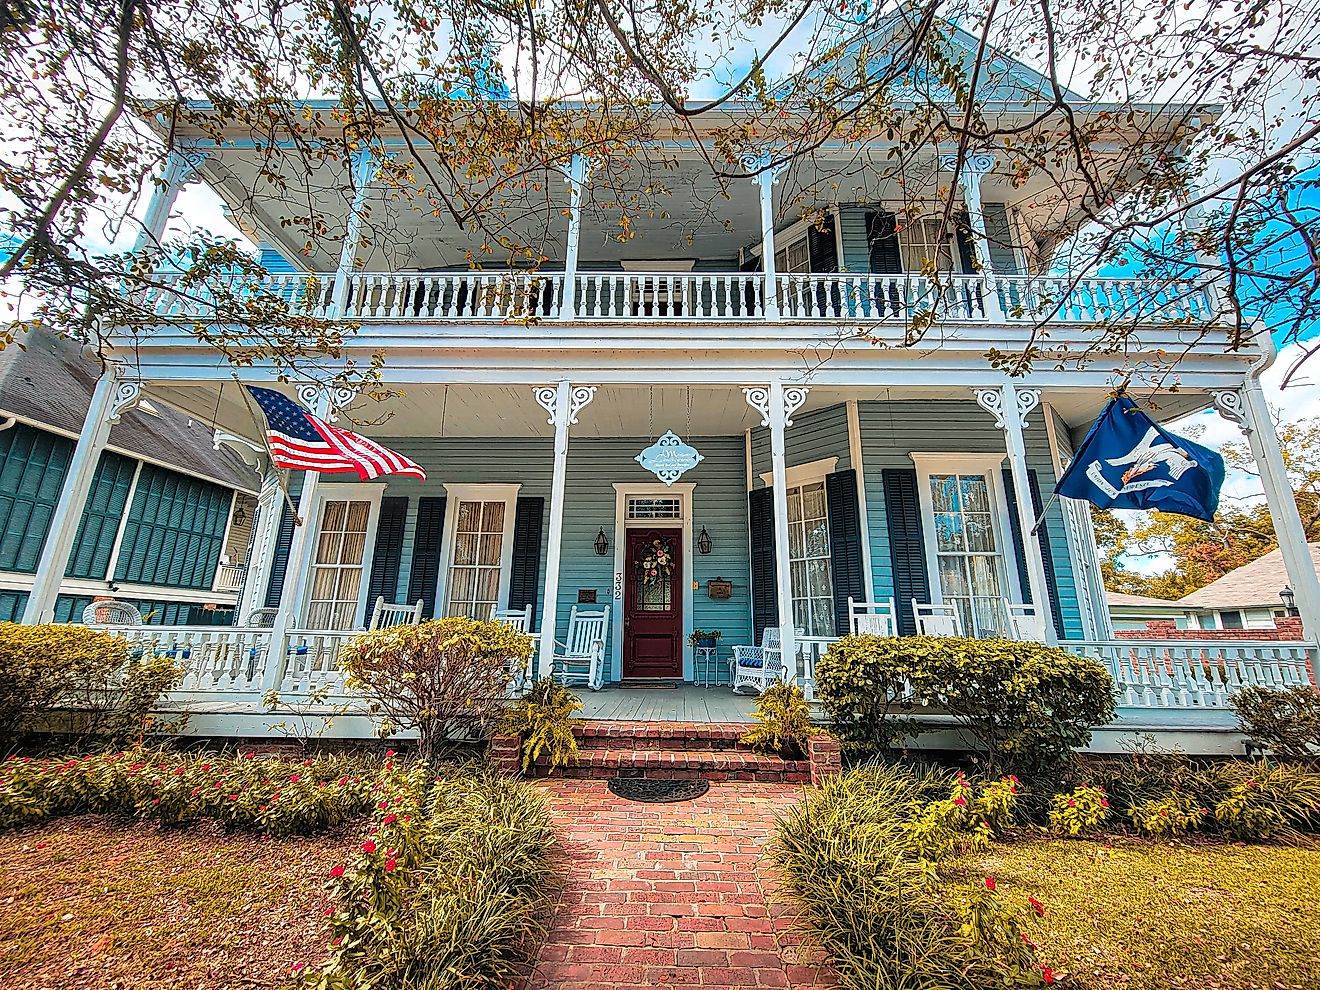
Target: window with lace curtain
475	566
337	567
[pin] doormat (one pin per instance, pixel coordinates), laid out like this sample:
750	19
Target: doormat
650	685
655	791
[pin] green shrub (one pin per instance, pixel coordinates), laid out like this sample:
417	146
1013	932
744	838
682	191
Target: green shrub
783	722
871	899
1261	801
543	719
1285	721
450	889
444	679
1173	814
1025	706
1080	812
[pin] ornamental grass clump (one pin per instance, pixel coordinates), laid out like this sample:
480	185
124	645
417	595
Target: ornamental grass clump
1263	801
871	896
543	720
449	889
445	679
1080	812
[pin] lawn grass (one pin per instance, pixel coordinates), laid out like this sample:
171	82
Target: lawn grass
1132	914
85	902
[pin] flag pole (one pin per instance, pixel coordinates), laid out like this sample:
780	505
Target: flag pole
281	479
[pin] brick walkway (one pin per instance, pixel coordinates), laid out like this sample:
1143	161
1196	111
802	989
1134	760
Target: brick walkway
664	895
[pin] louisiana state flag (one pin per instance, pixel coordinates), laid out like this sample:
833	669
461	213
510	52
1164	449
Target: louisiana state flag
1128	461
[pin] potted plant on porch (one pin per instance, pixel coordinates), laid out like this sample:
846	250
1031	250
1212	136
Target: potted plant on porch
703	639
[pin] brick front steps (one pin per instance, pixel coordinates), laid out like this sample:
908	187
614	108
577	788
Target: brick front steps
674	750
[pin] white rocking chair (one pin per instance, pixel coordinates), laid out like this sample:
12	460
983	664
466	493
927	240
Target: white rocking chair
108	612
387	614
581	660
520	674
519	618
1026	623
937	620
872	618
758	666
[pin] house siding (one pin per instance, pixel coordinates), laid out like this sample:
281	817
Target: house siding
815	435
890	430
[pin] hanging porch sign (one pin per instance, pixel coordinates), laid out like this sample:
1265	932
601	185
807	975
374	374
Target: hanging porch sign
668	458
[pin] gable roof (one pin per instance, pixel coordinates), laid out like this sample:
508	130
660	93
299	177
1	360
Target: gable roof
1124	600
1257	583
49	382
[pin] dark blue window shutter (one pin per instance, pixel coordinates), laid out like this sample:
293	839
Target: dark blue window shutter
882	241
966	248
1046	548
761	529
845	544
387	556
526	569
907	544
424	575
822	248
279	561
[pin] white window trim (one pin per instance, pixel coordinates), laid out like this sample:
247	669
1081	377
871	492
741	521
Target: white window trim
803	474
455	493
341	492
623	492
990	465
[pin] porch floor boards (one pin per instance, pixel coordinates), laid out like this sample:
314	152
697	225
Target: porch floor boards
686	703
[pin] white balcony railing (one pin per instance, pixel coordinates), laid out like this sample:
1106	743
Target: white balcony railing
229	578
722	297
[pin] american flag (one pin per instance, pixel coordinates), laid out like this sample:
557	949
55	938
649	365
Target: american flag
300	441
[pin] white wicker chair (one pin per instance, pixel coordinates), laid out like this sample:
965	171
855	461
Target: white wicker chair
387	614
937	620
581	660
262	618
1026	622
872	618
108	612
758	666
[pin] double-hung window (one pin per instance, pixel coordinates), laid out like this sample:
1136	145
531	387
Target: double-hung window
480	549
963	504
336	584
809	559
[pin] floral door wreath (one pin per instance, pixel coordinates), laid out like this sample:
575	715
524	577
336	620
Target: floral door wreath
657	564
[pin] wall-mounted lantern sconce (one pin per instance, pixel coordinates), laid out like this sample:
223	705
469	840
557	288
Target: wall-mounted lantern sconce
602	544
1289	599
703	542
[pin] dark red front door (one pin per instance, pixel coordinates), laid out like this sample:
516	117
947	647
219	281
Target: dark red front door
653	604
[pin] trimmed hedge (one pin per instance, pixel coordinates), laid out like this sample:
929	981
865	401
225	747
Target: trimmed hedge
1024	706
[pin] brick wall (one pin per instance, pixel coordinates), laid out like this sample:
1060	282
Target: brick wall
1286	630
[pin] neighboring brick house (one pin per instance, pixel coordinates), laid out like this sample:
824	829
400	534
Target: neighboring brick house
169	518
1244	604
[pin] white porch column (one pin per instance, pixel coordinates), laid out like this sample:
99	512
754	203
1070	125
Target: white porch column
776	404
363	170
1247	407
115	393
765	177
181	167
563	402
1010	406
974	166
855	457
576	174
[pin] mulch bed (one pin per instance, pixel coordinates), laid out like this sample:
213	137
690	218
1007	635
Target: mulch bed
94	903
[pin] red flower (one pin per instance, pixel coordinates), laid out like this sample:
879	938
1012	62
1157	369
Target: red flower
1072	804
1164	812
989	883
390	864
389	753
338	870
298	966
1037	906
960	801
294	778
1047	974
388	819
369	847
1104	802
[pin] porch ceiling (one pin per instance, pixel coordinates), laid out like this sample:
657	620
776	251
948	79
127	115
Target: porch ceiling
617	411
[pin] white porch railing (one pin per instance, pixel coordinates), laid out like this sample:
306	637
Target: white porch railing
217	659
229	577
1197	674
630	297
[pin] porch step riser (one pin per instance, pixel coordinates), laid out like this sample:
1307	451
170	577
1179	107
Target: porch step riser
682	736
683	764
663	773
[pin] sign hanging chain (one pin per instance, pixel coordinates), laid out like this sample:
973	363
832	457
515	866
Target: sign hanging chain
687	436
650	420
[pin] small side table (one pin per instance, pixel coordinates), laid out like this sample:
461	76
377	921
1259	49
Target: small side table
705	666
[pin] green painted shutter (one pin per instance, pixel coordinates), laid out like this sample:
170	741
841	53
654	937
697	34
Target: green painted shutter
175	530
907	544
12	604
388	554
761	529
882	242
525	573
1046	547
279	556
33	464
95	541
424	576
845	544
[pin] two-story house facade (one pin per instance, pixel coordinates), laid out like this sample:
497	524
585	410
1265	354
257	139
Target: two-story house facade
841	456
